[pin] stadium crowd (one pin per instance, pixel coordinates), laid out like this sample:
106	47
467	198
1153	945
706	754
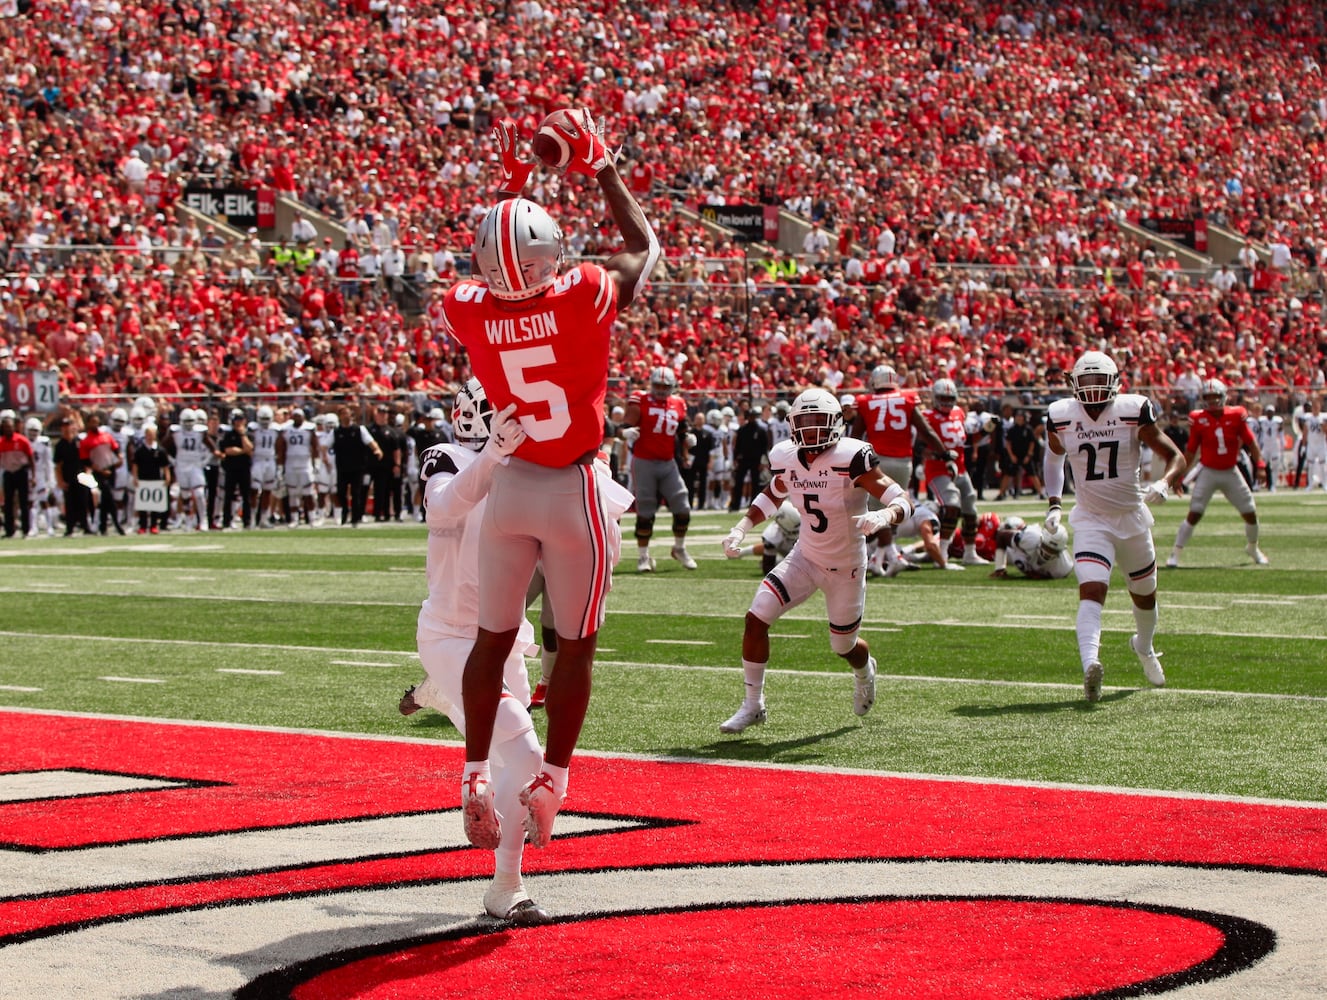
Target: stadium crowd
962	166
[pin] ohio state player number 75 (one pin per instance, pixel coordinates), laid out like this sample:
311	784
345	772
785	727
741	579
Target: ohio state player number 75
514	365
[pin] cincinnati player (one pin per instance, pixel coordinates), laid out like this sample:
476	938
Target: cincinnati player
1312	427
44	498
946	473
890	420
540	338
1099	431
264	467
655	427
457	479
1217	434
924	525
1270	432
296	452
189	446
1032	550
827	477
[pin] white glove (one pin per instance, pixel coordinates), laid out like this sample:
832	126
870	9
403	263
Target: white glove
732	543
1158	492
1052	519
873	520
505	434
629	434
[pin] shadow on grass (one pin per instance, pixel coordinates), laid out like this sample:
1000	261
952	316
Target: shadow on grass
1041	707
746	748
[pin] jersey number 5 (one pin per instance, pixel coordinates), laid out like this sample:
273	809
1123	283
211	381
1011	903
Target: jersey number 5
515	364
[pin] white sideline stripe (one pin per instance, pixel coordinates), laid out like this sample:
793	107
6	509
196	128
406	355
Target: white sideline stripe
257	673
1250	600
43	583
1191	607
789	635
868	629
678	642
361	663
16	687
132	680
331	734
222	597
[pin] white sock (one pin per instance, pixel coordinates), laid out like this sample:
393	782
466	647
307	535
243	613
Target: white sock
547	659
561	778
1146	622
521	761
1089	632
479	767
891	553
1251	534
753	675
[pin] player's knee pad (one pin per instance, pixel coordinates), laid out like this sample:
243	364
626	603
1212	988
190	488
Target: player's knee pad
681	521
1144	582
969	524
644	527
842	641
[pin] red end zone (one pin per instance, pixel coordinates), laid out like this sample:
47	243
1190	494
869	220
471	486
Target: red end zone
213	782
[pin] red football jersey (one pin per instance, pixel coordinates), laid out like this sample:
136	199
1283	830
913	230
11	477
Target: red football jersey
1217	438
949	426
659	421
548	355
888	417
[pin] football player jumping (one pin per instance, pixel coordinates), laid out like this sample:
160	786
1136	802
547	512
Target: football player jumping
540	338
1098	431
827	477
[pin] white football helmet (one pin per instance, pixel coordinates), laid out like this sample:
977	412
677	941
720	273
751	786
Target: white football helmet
1095	379
297	416
787	518
320	421
1053	542
1013	523
782	407
471	416
147	404
32	428
264	416
518	249
944	394
728	413
137	418
662	382
817	420
118	418
883	377
333	421
714	418
1213	393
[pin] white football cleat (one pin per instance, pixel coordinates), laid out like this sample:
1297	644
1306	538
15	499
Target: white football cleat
542	805
863	689
645	564
1151	664
1256	553
680	553
1092	681
481	818
746	717
514	906
1173	562
971	558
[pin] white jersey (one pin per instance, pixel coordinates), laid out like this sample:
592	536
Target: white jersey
264	444
779	431
43	467
825	492
299	446
1103	453
123	477
452	564
1270	432
721	456
782	531
191	449
1313	428
1026	555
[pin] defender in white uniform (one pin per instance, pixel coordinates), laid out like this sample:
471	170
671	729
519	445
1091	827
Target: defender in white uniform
43	497
827	477
457	478
1032	550
1099	431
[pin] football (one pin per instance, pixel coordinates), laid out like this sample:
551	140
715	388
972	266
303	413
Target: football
551	148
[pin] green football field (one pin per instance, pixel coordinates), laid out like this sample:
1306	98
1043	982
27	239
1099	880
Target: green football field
314	629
